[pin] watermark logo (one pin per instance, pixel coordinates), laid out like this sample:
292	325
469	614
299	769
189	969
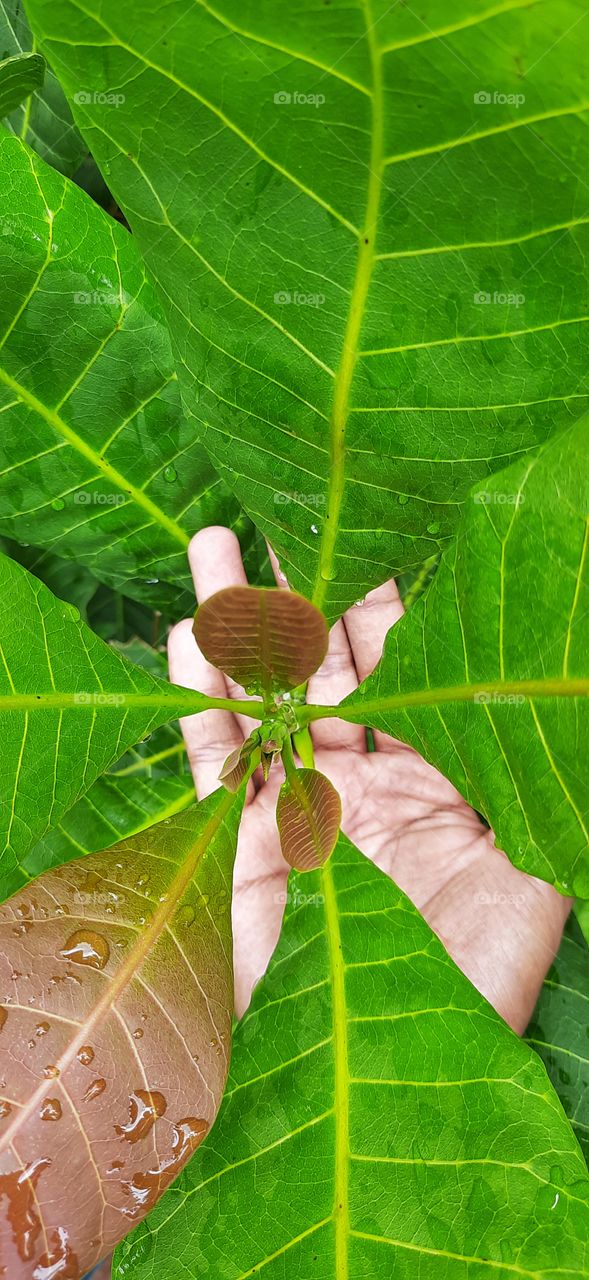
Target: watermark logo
494	697
497	99
298	899
284	298
97	299
492	497
498	299
87	97
99	499
99	699
286	99
305	499
498	899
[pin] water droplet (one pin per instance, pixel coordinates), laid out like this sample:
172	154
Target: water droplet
145	1188
185	915
51	1109
145	1107
3	1017
116	1165
58	504
150	582
85	1055
95	1089
22	1214
88	948
60	1261
433	527
314	528
42	1028
50	1072
170	474
141	881
5	1109
138	1032
359	603
402	499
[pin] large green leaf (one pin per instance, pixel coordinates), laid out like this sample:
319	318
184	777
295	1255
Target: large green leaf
97	460
488	674
19	76
45	120
69	707
376	282
150	783
380	1118
559	1029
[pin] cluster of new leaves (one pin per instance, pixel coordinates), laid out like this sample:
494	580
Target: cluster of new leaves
381	382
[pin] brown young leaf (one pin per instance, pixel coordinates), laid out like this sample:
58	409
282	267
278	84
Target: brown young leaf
238	762
308	815
269	641
115	1022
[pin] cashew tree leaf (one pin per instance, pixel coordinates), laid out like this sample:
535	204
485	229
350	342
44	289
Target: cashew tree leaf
97	459
70	705
19	77
374	264
115	1035
488	673
269	641
44	120
558	1030
380	1118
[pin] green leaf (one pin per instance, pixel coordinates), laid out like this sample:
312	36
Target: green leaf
19	77
97	461
558	1030
69	707
126	957
375	280
380	1118
488	674
45	121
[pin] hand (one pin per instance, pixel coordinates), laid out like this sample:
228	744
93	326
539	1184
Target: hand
501	927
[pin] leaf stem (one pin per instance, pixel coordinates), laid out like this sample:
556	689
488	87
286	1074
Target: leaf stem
490	692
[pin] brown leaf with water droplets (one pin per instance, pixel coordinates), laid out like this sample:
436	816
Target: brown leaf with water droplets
116	1000
269	641
308	815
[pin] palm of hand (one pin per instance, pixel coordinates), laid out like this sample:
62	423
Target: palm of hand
501	926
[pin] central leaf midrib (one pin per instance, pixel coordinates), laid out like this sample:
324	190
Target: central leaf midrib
341	1214
345	372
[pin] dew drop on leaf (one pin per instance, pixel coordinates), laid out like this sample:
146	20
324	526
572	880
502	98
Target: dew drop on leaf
88	948
51	1109
42	1028
50	1071
5	1109
145	1107
170	474
3	1017
433	527
58	504
402	499
85	1055
94	1090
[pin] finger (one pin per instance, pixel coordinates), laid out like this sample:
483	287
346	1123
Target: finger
366	626
334	680
214	555
210	735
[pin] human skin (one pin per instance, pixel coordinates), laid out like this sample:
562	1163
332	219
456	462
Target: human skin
501	927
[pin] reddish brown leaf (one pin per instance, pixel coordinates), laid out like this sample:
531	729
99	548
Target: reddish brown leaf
238	762
116	989
308	815
269	641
